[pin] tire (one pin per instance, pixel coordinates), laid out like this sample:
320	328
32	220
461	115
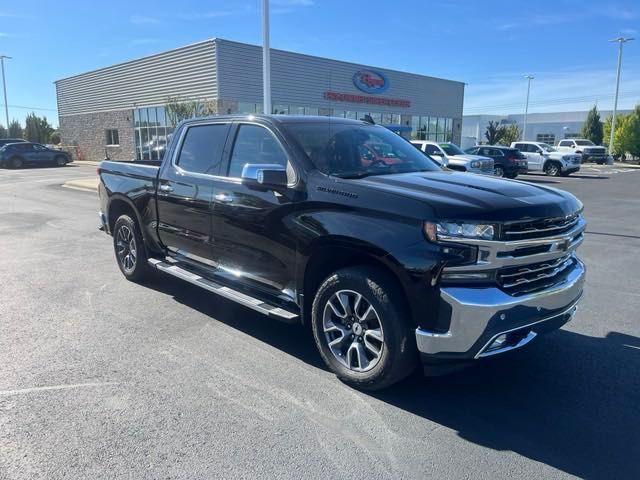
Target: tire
512	175
60	160
499	171
375	323
17	162
129	249
553	169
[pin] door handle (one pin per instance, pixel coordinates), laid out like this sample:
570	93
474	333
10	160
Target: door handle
224	197
166	188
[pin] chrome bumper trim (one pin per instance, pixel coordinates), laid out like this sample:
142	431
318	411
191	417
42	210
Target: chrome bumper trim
474	311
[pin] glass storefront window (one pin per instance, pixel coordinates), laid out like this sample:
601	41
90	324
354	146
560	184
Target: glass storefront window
310	111
350	114
136	118
246	108
280	109
326	112
296	110
377	117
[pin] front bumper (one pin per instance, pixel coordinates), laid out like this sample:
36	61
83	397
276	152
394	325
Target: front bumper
478	316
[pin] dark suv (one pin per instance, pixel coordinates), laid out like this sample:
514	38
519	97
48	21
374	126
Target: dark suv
17	155
507	162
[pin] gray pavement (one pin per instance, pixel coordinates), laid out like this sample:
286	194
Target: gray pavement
102	378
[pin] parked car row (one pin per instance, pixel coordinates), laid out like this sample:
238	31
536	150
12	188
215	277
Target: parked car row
17	153
520	157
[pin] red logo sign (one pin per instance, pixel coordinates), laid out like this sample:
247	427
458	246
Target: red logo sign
349	97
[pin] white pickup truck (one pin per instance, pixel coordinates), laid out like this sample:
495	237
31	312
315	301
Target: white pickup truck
449	155
544	158
589	150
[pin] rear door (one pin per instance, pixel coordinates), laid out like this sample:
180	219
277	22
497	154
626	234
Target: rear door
185	189
249	221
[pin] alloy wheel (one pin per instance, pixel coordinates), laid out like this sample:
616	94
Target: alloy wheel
353	330
126	248
498	172
552	170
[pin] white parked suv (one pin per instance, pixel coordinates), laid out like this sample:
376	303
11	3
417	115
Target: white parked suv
544	158
588	149
450	155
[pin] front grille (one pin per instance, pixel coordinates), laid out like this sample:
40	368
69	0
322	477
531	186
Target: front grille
535	276
487	166
539	228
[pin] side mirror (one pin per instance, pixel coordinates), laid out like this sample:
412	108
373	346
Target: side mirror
266	174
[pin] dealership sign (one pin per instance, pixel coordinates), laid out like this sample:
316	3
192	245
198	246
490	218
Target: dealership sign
368	99
370	81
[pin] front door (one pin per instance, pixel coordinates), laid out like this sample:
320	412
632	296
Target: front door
251	242
185	189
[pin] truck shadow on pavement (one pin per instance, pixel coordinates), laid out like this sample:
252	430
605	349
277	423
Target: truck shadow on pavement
569	401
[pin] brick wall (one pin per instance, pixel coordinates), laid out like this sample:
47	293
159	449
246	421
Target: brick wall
88	131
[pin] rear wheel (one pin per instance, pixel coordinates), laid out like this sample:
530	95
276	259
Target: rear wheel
61	160
552	169
129	249
17	162
359	326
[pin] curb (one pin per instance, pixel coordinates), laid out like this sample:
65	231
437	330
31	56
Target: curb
84	184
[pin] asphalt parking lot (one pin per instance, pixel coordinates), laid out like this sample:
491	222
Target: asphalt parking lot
102	378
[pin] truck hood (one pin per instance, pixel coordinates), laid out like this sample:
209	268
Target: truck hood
465	196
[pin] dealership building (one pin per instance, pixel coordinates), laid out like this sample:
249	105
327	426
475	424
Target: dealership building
128	110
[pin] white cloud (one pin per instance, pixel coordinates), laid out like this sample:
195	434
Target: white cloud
629	31
205	15
143	20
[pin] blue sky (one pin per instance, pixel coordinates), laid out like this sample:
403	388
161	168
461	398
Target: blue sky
488	44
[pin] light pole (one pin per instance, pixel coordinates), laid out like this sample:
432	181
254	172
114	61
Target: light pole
4	87
620	41
266	59
526	108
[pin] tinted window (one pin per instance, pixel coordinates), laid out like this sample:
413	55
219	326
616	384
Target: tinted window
564	143
351	150
451	149
202	148
584	142
255	144
432	150
39	148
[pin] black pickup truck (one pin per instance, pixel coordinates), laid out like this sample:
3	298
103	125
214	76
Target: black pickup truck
346	227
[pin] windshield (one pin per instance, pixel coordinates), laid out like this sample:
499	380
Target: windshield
355	151
584	142
451	149
546	147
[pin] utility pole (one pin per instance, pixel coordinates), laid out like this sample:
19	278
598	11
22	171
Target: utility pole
4	87
620	41
526	108
266	59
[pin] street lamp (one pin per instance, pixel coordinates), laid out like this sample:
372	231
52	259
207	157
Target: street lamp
266	59
620	41
4	87
526	108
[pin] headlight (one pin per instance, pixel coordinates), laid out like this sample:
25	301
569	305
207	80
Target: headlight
436	231
475	164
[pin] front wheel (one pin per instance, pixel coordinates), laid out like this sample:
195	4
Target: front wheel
358	321
552	169
129	249
499	171
61	160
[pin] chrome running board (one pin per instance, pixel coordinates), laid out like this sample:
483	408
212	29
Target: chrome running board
224	291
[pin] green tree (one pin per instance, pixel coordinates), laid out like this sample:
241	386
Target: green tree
617	147
627	137
512	133
592	127
15	129
37	129
55	137
3	132
179	109
494	132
